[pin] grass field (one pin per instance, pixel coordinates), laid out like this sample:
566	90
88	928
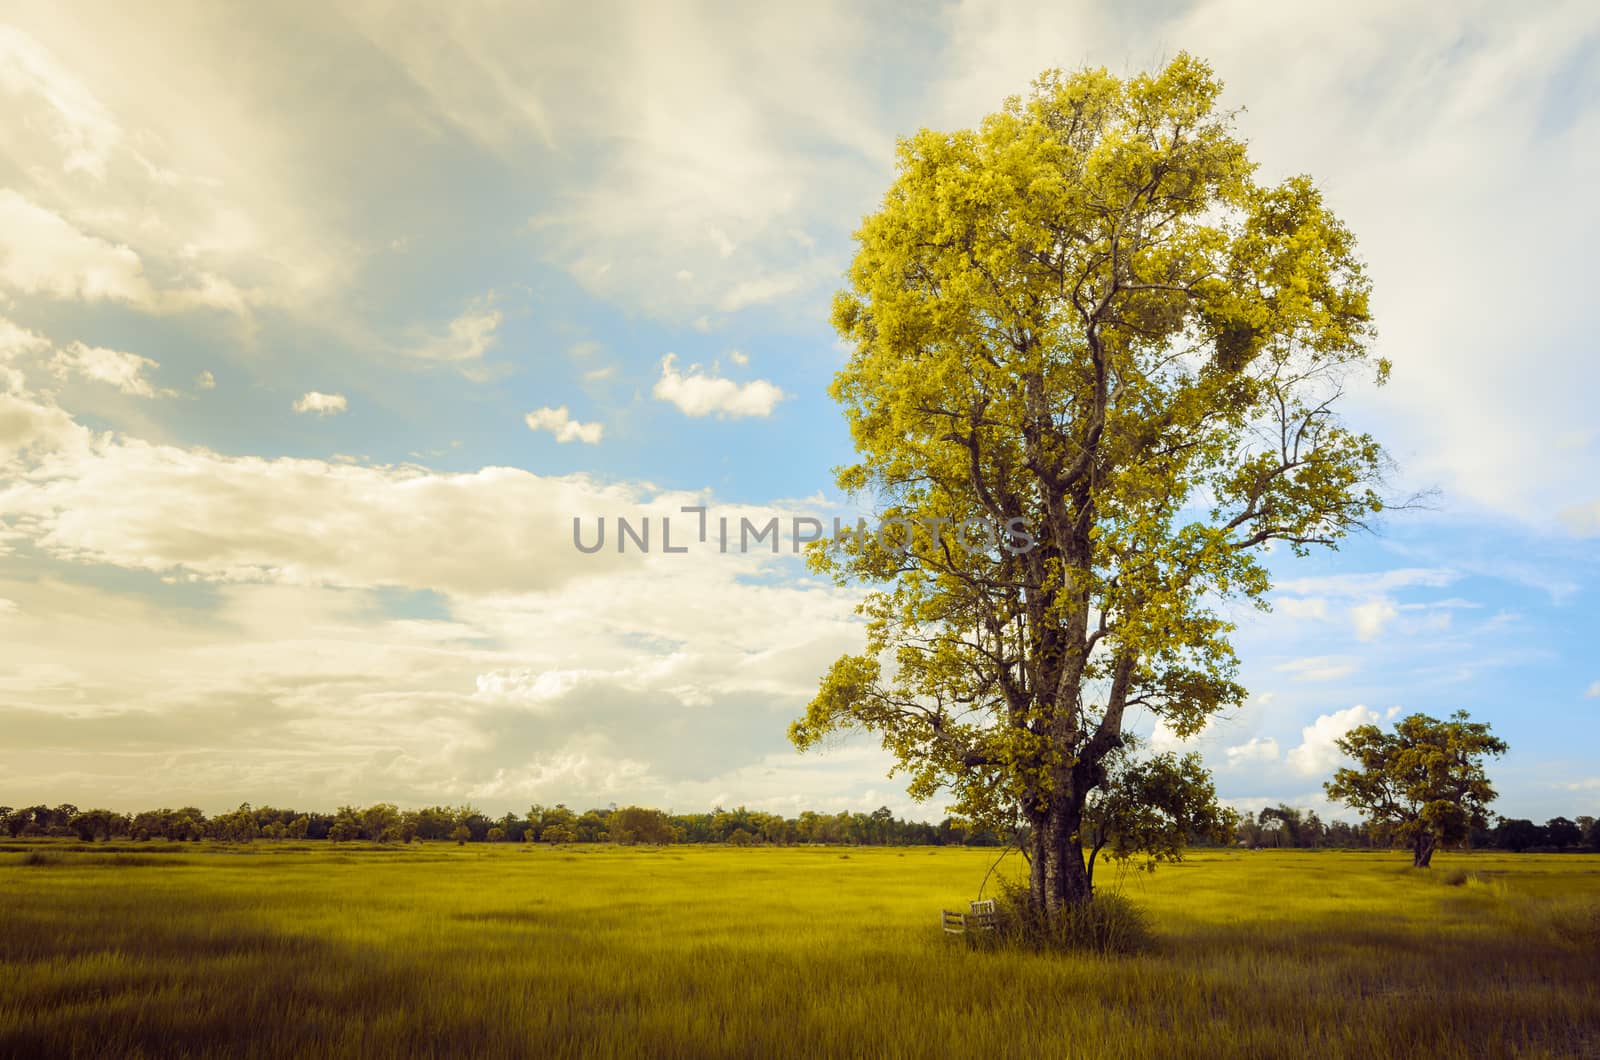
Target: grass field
278	950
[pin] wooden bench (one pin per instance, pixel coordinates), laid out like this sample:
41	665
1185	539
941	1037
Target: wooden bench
982	917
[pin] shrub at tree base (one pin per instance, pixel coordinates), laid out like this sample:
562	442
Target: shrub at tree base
1111	925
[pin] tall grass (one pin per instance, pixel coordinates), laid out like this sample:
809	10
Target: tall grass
588	952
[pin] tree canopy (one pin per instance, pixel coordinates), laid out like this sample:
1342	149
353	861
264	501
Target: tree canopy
1086	322
1423	785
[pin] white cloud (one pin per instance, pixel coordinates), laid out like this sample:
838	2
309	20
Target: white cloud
29	424
1317	668
697	393
17	342
596	375
1582	520
205	381
143	176
321	404
40	253
1371	617
1317	753
1369	584
85	132
125	371
560	424
468	337
1258	750
313	692
195	514
1594	691
1301	606
738	358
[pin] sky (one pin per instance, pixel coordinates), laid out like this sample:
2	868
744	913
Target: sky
319	325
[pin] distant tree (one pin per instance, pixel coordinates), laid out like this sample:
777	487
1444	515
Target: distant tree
1285	820
592	826
236	827
1591	833
558	833
297	827
1148	808
557	816
1518	834
345	828
461	833
1424	784
89	825
477	822
497	834
636	824
435	822
1562	833
380	822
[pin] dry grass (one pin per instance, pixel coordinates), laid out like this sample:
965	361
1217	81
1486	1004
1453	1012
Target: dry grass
511	951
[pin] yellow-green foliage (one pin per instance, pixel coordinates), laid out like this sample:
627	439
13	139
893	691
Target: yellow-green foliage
507	950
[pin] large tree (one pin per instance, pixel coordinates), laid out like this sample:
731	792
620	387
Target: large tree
1423	785
1086	322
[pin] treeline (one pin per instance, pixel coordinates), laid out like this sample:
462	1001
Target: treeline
1285	826
1273	827
387	823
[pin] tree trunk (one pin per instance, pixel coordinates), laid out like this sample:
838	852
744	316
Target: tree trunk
1422	853
1057	877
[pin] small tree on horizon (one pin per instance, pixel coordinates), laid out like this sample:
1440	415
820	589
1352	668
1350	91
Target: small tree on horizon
1422	786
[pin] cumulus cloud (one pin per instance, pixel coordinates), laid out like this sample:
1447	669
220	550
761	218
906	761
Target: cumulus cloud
205	381
699	393
561	425
321	404
1317	753
1256	751
526	681
125	371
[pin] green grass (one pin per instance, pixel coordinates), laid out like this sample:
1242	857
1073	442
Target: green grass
284	950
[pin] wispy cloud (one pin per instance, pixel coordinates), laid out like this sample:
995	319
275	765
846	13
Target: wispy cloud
125	371
1371	617
1318	668
465	339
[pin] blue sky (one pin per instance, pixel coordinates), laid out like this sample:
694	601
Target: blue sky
317	329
